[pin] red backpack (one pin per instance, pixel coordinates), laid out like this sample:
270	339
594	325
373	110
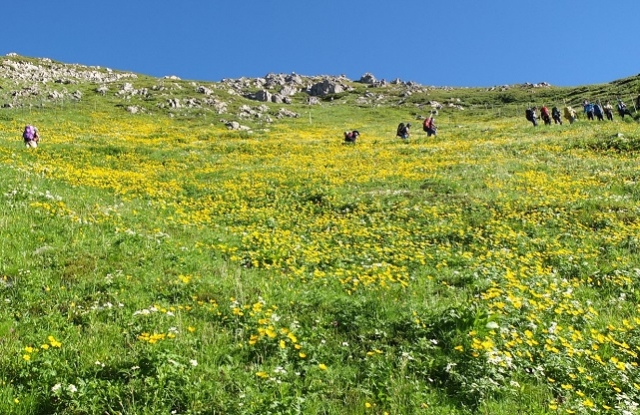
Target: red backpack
427	124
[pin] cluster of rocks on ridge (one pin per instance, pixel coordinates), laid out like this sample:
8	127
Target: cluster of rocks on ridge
48	71
44	79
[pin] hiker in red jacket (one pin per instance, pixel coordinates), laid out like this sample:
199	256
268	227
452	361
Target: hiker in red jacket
429	127
544	114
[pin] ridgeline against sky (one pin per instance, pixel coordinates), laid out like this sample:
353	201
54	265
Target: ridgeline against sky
466	43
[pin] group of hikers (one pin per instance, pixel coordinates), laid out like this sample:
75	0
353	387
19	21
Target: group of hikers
403	131
428	126
592	111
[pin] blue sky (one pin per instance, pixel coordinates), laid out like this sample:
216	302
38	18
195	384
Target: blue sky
443	43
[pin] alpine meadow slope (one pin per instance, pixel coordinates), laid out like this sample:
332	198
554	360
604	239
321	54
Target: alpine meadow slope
183	247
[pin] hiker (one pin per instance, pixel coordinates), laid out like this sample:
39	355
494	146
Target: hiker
30	136
570	114
429	127
622	109
588	109
403	130
351	136
544	114
597	111
608	110
530	114
555	114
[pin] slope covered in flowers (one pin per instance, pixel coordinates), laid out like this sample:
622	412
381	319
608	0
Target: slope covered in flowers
181	267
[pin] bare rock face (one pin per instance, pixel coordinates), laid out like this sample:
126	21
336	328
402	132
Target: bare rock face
325	87
262	96
204	90
368	78
102	90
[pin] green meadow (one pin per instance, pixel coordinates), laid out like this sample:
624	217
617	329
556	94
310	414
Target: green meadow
156	264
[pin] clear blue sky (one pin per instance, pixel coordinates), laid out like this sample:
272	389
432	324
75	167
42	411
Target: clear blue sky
443	43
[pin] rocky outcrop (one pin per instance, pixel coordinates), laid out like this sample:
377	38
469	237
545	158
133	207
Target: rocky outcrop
325	87
46	71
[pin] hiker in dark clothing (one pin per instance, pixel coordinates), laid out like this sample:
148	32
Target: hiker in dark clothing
597	111
555	114
351	136
588	109
622	109
403	130
531	116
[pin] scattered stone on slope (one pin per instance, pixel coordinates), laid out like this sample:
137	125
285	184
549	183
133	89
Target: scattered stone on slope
283	112
102	90
134	109
204	90
234	125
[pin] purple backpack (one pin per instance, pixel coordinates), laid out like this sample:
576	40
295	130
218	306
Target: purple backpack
29	133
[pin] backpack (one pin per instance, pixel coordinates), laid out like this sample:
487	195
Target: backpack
529	114
29	133
401	129
427	124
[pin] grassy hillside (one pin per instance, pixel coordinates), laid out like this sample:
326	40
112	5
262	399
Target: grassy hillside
159	263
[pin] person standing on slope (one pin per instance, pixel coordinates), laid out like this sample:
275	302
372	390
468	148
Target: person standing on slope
622	109
570	114
597	111
30	136
544	114
588	109
608	110
531	115
429	126
403	130
555	114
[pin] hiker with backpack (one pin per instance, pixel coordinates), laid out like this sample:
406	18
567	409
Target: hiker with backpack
403	130
555	114
570	114
588	109
597	111
622	109
351	136
430	127
608	110
544	114
530	114
30	136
